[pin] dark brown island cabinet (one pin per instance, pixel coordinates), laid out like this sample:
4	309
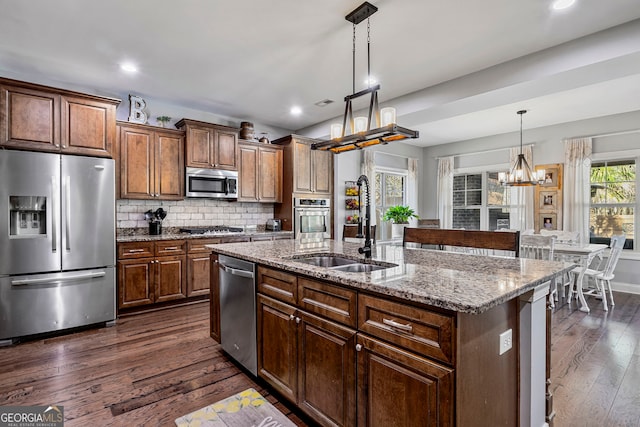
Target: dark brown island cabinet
347	356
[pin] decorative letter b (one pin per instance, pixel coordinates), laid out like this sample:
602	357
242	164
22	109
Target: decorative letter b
136	113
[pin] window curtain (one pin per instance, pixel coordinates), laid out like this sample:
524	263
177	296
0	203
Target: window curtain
412	183
521	198
577	185
445	191
368	168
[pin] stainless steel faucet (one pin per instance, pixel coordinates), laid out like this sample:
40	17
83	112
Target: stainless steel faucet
366	249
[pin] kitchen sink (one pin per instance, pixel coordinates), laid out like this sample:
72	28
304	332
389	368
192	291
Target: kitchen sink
360	268
326	260
338	263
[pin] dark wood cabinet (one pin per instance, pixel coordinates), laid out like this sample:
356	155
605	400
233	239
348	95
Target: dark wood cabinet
151	162
260	172
40	118
396	387
277	346
199	266
209	146
151	272
307	358
135	282
307	173
214	298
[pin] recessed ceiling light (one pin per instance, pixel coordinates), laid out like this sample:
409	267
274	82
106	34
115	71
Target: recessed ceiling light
562	4
295	111
128	67
370	81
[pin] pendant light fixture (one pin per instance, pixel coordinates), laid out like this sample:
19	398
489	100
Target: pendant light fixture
521	174
359	132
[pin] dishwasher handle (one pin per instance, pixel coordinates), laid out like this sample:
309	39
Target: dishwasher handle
236	271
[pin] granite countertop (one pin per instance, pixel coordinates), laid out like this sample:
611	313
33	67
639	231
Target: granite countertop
454	281
142	235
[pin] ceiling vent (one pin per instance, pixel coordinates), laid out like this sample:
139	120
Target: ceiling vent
324	102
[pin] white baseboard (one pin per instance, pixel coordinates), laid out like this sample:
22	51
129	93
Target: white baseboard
629	288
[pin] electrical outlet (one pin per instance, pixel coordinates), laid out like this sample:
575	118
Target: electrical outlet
506	342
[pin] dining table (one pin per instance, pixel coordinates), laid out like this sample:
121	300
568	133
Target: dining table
582	255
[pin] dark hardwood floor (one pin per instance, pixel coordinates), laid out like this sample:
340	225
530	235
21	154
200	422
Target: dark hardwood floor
152	368
595	363
147	370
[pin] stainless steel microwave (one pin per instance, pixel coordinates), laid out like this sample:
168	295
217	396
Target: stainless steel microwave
211	183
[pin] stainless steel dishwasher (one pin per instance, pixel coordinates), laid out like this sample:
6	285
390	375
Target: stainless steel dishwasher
238	311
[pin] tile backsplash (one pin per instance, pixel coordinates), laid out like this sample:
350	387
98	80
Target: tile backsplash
193	213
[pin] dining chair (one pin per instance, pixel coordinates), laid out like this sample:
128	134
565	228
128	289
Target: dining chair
468	241
429	223
604	275
563	237
540	247
351	231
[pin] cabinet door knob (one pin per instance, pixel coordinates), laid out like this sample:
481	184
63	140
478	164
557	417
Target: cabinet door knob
291	317
358	347
298	320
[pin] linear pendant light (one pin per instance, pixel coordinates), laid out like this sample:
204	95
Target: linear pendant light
521	174
360	134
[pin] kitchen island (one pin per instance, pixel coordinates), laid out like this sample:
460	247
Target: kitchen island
437	338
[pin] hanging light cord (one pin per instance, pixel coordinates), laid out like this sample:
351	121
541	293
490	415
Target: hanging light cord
368	53
353	66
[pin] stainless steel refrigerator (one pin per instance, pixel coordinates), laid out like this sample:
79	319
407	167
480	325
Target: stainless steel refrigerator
57	242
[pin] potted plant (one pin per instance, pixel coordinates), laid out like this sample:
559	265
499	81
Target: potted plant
399	216
163	120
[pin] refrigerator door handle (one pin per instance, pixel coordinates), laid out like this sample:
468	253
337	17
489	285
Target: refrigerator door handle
67	205
23	282
54	218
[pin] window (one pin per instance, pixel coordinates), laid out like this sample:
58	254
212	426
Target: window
391	190
480	202
613	201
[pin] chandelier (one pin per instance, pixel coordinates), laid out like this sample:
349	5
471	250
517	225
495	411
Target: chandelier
520	174
357	133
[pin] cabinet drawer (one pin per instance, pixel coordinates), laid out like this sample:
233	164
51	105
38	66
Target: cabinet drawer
197	245
333	302
277	284
171	247
425	332
135	250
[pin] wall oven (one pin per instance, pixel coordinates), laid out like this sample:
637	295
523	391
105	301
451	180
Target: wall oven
211	183
312	218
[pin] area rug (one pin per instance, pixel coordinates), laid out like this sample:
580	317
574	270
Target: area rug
245	409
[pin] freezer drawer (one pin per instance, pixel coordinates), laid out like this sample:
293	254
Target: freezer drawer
38	303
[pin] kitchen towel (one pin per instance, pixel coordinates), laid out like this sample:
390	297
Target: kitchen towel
245	409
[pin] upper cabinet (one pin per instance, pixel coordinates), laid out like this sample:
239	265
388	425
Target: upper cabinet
40	118
151	162
260	172
210	146
306	170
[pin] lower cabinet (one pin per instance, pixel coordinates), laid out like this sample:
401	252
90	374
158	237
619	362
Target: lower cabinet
396	387
199	266
151	272
309	360
309	350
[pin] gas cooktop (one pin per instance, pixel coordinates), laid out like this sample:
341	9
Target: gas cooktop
215	229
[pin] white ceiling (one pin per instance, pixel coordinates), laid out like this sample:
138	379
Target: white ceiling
454	69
